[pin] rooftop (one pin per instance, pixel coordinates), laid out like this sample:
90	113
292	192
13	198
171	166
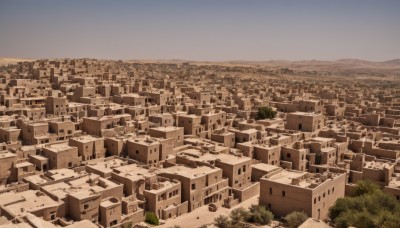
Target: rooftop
300	179
197	155
189	172
58	147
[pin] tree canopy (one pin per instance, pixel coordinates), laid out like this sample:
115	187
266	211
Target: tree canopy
370	207
265	113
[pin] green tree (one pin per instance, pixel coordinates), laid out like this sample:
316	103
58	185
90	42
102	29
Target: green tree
370	207
366	187
265	113
295	218
152	218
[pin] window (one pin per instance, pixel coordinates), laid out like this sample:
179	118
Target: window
239	171
244	168
137	152
315	200
193	186
283	193
85	206
270	191
52	215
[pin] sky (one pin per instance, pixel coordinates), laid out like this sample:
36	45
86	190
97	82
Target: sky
213	30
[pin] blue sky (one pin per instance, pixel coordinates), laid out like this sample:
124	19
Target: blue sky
201	30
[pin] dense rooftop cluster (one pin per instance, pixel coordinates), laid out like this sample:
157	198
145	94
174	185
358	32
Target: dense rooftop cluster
88	143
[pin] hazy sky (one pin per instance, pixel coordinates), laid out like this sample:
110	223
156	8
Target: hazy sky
201	30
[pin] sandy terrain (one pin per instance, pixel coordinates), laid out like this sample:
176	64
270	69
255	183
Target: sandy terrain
203	216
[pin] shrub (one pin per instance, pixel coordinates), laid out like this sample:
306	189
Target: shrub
260	215
222	221
238	215
369	208
296	218
265	112
152	219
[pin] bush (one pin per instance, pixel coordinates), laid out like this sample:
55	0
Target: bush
369	208
296	218
265	112
238	215
152	219
222	221
260	215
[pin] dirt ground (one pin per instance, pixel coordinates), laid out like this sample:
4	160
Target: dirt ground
202	216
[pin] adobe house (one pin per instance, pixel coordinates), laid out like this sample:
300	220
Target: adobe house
200	186
286	191
89	147
61	156
164	198
144	150
302	121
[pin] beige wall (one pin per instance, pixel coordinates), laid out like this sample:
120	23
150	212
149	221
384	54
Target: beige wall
301	199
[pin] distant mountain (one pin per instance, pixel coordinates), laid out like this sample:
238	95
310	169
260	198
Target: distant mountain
6	61
393	61
354	61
